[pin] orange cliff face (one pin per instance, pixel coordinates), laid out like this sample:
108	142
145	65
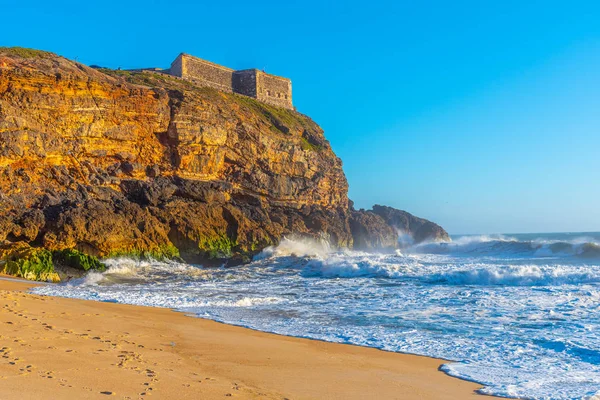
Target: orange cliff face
55	111
112	162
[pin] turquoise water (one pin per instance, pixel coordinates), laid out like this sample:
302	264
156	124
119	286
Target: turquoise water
518	313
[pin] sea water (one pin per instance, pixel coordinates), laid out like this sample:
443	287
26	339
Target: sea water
519	314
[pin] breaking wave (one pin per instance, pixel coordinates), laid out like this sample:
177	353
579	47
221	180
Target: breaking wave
303	247
318	262
130	270
519	275
584	247
411	268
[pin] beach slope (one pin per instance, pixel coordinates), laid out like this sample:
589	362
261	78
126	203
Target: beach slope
71	349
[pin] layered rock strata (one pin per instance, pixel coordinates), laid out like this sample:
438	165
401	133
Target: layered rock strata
110	162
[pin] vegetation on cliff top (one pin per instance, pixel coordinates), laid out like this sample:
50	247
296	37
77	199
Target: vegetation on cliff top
149	78
24	52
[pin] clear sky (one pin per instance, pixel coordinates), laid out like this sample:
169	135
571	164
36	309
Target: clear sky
483	116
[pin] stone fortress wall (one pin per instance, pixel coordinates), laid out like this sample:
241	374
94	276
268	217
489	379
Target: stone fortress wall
203	72
270	89
274	89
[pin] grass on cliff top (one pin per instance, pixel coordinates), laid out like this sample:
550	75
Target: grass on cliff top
282	118
149	78
23	52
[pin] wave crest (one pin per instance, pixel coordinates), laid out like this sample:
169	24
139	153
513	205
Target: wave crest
583	247
518	275
345	266
130	270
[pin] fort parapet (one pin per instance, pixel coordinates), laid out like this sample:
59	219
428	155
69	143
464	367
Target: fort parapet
270	89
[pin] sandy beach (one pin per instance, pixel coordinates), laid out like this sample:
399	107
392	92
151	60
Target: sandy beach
56	348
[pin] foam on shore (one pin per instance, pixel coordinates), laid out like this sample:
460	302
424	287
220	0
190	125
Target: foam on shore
496	307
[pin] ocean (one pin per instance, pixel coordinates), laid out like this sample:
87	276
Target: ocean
519	314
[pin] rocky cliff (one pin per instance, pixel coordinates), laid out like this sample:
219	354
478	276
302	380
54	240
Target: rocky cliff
418	229
104	162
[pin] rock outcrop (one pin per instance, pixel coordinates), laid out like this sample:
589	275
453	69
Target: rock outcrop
371	233
418	229
108	162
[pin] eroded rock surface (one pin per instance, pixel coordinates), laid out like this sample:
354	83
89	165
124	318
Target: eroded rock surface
371	232
114	162
418	228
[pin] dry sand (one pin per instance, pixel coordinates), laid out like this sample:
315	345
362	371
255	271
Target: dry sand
55	348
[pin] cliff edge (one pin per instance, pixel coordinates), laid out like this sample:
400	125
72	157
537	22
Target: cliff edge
105	163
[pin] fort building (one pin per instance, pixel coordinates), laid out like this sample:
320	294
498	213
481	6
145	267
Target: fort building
270	89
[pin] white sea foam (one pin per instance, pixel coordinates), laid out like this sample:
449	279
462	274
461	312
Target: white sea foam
304	247
519	275
521	315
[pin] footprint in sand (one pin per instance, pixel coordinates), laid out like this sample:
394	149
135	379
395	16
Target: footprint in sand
27	369
47	374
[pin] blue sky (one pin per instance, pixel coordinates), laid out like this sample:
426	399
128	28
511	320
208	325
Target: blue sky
483	116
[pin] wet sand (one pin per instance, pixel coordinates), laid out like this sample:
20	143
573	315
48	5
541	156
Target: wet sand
55	348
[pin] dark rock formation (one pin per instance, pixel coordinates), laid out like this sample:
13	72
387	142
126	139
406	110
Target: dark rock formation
371	232
418	228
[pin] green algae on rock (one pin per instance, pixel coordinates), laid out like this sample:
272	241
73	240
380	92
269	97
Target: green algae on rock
29	263
72	258
160	253
38	264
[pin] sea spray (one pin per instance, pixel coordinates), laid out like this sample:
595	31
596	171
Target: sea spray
502	245
297	247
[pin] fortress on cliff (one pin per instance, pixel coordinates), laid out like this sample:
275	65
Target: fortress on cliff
270	89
